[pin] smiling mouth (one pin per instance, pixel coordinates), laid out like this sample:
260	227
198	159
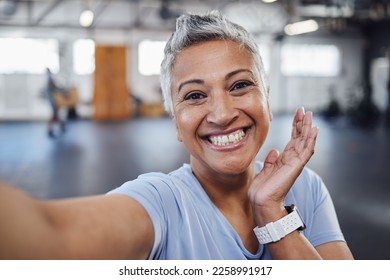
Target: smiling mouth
228	139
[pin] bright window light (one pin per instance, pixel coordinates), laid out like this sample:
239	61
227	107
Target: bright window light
84	56
310	60
265	53
150	56
86	18
301	27
21	55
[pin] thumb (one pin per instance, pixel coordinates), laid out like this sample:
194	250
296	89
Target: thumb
271	158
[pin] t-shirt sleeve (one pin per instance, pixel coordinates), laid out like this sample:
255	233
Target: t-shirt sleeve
317	209
148	193
325	225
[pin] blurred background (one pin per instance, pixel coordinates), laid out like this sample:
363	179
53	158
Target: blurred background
330	56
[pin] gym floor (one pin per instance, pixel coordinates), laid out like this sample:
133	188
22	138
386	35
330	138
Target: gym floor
94	157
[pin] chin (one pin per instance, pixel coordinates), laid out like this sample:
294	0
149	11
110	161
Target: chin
234	168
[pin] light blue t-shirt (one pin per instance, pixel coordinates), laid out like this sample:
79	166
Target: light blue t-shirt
187	225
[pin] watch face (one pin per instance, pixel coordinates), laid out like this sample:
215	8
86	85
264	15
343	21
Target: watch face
290	208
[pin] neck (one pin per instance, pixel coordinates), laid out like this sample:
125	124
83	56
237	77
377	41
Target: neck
227	191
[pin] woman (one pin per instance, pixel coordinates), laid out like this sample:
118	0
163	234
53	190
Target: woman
224	204
51	90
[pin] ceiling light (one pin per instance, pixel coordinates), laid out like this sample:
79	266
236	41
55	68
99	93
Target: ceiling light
301	27
86	18
269	1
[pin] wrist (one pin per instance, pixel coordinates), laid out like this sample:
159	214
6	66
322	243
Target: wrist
267	214
274	231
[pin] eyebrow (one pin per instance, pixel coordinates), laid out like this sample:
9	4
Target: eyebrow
193	81
235	72
201	82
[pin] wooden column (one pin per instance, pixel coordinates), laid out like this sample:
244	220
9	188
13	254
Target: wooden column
111	100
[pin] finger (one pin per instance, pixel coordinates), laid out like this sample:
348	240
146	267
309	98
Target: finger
310	144
271	158
297	123
307	124
304	135
314	132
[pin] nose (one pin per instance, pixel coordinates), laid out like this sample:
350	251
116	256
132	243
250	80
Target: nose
222	109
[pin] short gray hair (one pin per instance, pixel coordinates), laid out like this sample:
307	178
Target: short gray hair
192	29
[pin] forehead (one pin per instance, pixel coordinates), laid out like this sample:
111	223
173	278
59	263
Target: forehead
209	58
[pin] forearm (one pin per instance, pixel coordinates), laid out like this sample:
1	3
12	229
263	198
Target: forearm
24	231
294	246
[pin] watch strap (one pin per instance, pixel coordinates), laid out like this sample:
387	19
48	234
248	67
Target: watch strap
274	231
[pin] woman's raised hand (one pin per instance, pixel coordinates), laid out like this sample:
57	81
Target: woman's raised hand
271	185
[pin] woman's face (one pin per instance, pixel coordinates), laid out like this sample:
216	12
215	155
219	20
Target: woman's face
221	116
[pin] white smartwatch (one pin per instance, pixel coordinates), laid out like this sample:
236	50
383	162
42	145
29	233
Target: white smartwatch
274	231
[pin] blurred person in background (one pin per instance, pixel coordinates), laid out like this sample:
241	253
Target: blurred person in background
52	93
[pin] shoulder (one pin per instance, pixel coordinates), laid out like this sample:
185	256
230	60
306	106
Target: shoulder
309	185
155	184
315	204
309	177
308	191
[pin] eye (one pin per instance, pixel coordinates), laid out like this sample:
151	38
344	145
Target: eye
194	96
241	84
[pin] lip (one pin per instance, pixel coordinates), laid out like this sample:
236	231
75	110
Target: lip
228	147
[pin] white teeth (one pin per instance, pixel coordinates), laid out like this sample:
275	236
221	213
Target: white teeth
223	140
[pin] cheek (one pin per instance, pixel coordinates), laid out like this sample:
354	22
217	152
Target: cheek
186	123
256	104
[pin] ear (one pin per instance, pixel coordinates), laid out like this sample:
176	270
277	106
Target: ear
178	134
